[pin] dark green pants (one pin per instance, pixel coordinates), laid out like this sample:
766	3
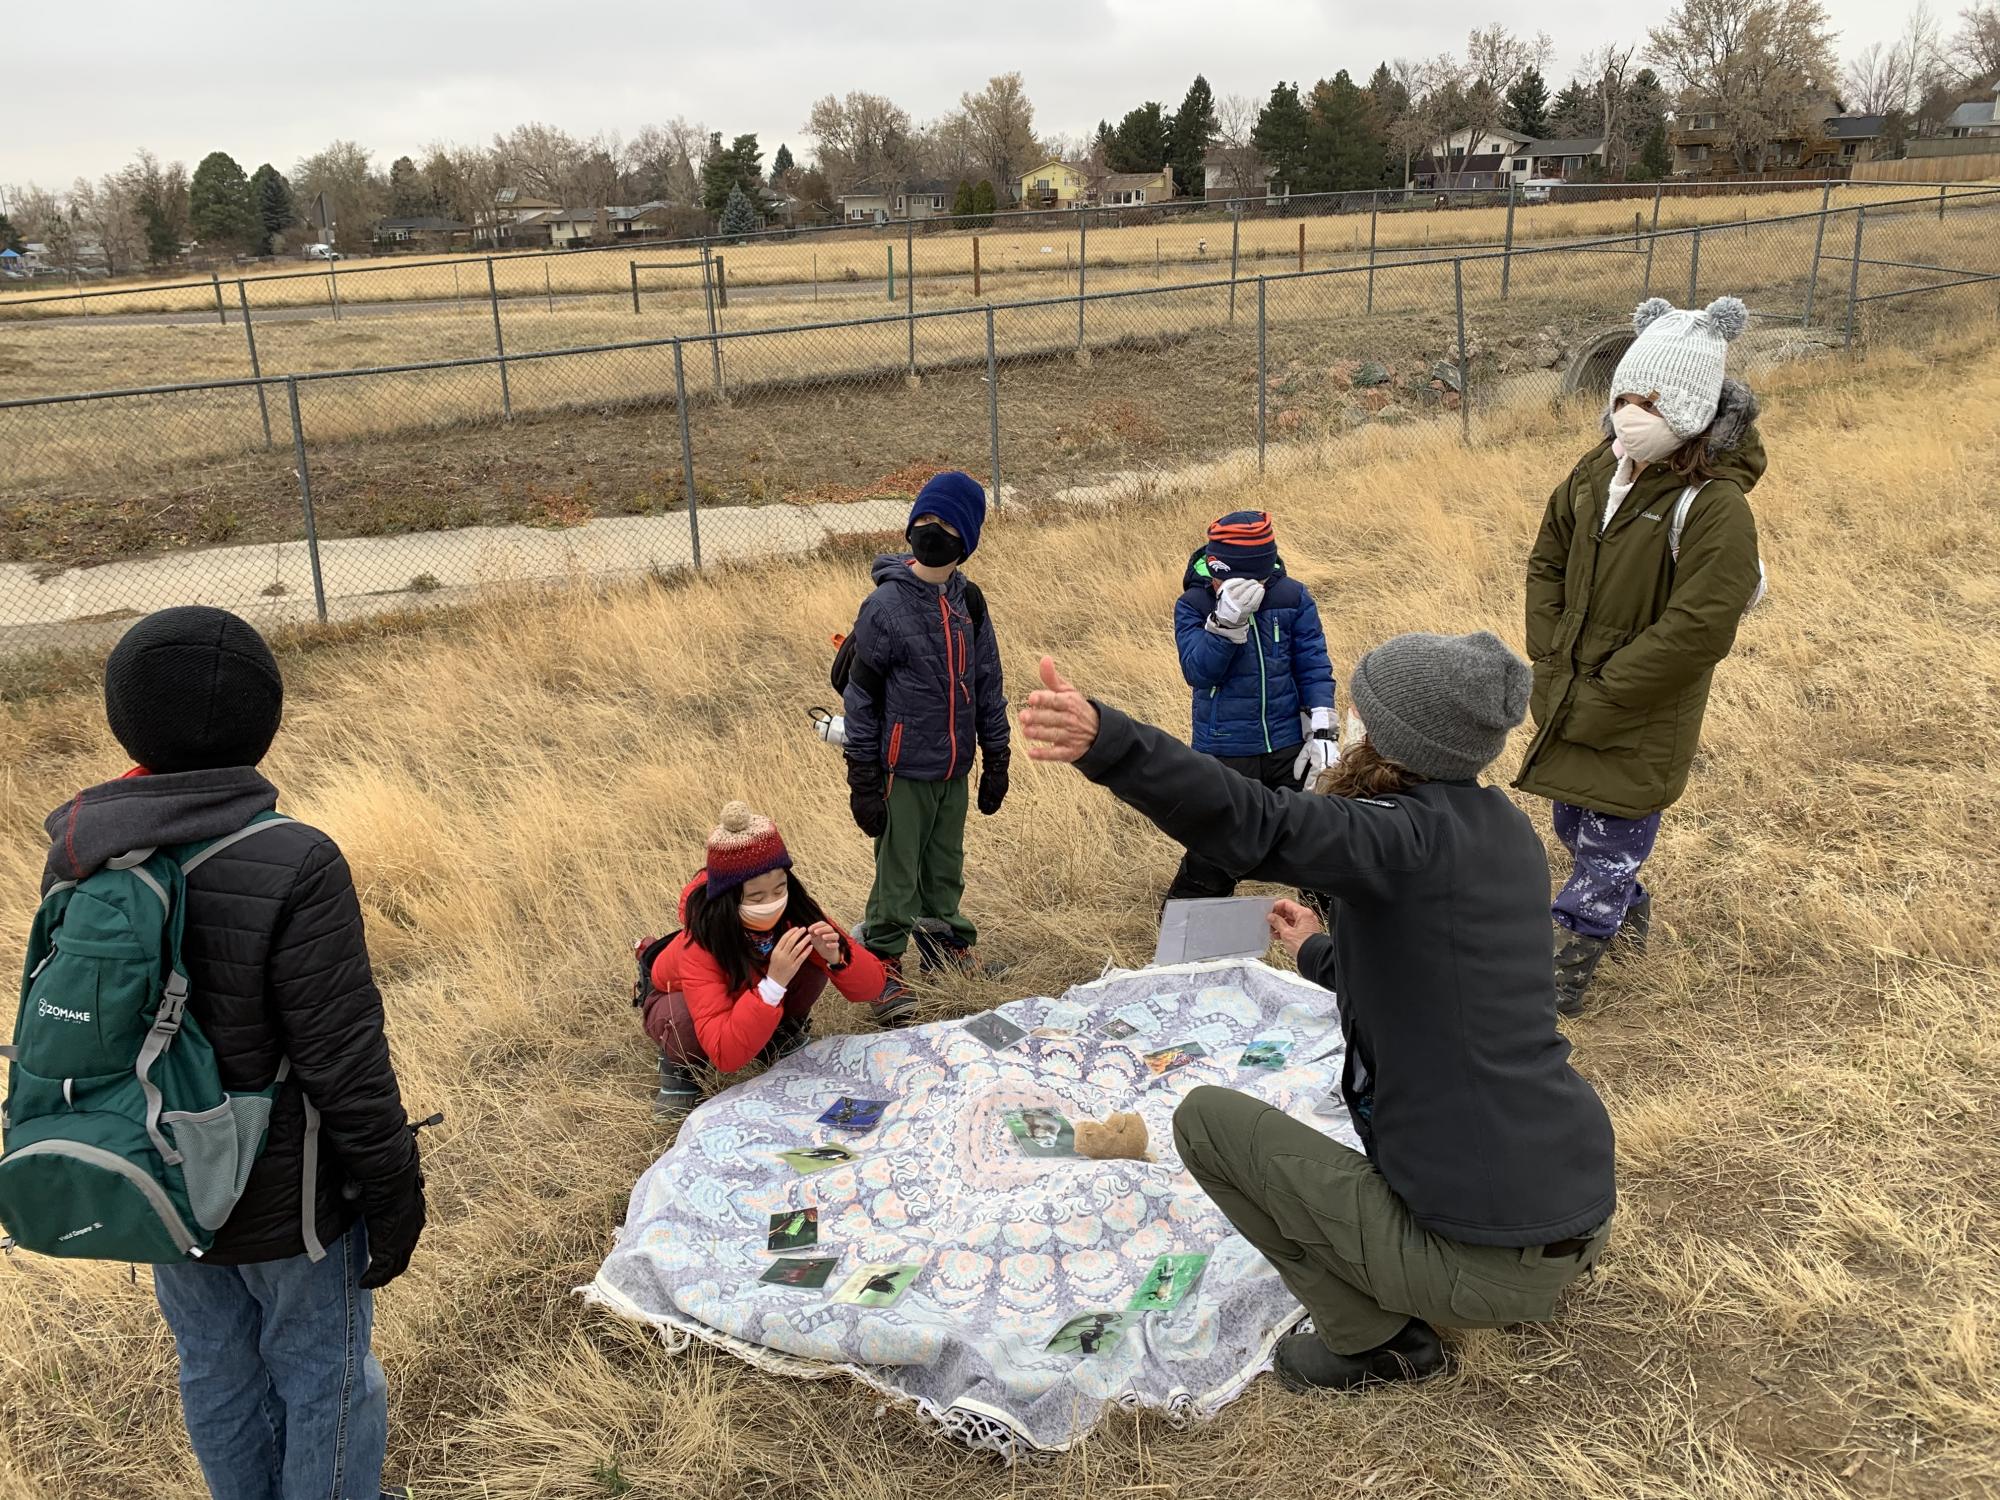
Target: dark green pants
919	864
1344	1242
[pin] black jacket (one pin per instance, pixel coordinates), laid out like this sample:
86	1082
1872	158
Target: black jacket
277	967
1457	1077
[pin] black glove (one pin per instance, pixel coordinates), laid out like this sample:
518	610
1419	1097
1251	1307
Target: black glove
395	1223
993	784
867	797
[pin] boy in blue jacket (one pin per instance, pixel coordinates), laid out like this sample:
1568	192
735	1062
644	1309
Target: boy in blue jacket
1252	649
925	693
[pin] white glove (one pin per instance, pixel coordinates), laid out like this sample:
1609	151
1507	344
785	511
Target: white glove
830	727
1318	754
1237	601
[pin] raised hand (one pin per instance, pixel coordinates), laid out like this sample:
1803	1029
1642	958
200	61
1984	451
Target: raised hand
1060	724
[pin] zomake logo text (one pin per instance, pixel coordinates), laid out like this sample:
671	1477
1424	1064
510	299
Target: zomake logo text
62	1013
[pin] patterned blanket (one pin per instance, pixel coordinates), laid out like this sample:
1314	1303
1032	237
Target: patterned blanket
906	1208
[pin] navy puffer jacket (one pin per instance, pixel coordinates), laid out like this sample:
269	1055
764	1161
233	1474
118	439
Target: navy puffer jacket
1248	698
944	697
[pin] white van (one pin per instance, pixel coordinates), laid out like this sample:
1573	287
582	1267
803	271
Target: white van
322	252
1539	189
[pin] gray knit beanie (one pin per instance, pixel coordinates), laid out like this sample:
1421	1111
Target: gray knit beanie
1678	360
1441	705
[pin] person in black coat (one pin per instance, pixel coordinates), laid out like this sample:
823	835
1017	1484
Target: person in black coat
1487	1184
279	1390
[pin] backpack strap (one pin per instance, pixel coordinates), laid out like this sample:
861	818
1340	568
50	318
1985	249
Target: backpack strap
975	605
201	856
1680	519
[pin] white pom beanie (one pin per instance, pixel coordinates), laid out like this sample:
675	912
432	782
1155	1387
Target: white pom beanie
1678	359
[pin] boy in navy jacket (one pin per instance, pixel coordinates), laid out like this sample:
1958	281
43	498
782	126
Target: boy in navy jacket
1252	650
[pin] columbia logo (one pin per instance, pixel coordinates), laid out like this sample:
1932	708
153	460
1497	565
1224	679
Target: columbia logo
62	1013
1651	516
78	1233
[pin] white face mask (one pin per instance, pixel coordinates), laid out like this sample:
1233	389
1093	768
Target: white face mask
1643	437
1352	731
760	915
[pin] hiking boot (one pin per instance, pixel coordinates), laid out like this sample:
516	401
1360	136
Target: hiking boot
1637	927
793	1033
678	1091
1577	956
963	960
895	1005
1304	1364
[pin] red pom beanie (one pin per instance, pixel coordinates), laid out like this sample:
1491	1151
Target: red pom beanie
743	845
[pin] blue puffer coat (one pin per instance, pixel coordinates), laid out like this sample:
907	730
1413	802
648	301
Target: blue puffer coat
945	695
1248	698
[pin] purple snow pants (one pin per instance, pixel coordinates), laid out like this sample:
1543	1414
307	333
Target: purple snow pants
1604	884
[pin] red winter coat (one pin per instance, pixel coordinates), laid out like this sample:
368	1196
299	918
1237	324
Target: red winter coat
732	1025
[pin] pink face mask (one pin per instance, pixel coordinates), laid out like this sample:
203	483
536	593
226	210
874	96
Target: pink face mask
1643	436
762	916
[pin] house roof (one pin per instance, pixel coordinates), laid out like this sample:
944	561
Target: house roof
424	224
1854	127
1055	161
1583	145
1969	116
513	197
528	221
1114	182
1229	156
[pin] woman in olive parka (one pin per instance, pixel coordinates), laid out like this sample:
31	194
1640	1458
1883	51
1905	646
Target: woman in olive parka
1646	561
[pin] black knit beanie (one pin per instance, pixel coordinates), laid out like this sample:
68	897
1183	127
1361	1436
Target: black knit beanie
193	689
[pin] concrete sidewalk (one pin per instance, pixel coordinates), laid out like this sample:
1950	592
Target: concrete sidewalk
272	583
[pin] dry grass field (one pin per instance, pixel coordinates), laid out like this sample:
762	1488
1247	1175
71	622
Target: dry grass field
1802	1300
1016	261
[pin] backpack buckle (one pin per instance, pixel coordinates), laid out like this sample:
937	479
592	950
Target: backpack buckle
173	1005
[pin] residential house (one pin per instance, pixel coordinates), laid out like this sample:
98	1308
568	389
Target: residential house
880	199
1979	119
1132	189
568	228
423	229
1557	160
513	209
1239	172
1854	137
1054	184
1468	159
1702	146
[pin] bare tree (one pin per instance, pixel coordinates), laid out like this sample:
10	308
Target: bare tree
950	148
660	162
1883	80
1763	67
862	135
1454	97
1977	43
356	195
43	218
1003	125
1609	71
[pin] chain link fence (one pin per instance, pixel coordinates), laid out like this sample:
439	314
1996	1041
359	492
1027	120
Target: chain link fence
704	426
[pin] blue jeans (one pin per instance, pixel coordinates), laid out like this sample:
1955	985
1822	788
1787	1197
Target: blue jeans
282	1399
1604	882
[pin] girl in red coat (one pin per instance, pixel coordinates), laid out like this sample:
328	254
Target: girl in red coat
738	982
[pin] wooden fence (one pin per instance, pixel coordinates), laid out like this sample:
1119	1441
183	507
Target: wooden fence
1979	168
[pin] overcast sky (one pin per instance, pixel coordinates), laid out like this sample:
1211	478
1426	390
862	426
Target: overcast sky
272	82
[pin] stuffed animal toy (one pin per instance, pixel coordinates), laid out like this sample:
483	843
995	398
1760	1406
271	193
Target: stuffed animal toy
1120	1138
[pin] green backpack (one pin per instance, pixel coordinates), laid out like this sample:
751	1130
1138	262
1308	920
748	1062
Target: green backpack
120	1142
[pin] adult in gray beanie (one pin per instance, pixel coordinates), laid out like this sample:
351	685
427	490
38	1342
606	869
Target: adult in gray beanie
1486	1186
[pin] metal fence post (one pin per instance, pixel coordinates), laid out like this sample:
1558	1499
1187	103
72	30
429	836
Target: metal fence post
722	282
1082	255
1263	376
1694	265
499	343
635	286
1507	251
892	271
1940	203
687	457
1854	274
548	285
1374	213
1235	243
708	294
910	290
223	317
333	288
306	496
1464	378
993	403
256	370
1819	243
1652	240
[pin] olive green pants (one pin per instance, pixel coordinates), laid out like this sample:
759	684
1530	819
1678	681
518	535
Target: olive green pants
919	864
1344	1242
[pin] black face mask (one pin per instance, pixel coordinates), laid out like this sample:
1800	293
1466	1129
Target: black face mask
934	546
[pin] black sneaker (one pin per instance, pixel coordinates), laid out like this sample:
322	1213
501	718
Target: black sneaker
793	1033
1302	1363
678	1092
1637	928
1577	955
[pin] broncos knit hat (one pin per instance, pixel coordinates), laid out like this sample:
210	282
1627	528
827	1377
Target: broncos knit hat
193	689
953	496
1242	544
1678	360
1441	705
741	847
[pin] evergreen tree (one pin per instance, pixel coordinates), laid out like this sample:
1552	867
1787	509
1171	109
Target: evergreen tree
1104	142
984	201
1656	161
781	163
1346	148
10	237
1575	113
1193	133
739	166
221	212
961	201
1527	111
407	197
273	197
1139	144
1281	136
739	218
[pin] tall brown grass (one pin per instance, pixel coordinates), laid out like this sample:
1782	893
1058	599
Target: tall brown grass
1803	1298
